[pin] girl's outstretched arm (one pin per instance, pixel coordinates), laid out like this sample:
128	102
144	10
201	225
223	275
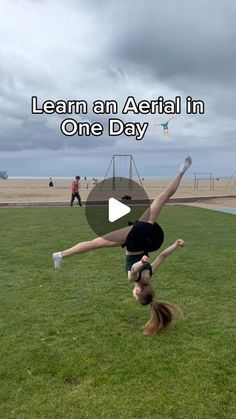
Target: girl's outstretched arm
167	252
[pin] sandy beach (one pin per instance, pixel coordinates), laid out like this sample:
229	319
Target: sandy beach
23	191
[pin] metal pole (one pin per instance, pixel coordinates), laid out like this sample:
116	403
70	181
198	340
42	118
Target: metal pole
113	175
230	179
130	173
141	183
106	173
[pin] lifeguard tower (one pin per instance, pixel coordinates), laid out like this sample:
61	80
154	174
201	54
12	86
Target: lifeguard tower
3	174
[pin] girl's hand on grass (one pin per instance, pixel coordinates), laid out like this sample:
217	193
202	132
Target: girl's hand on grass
180	242
145	259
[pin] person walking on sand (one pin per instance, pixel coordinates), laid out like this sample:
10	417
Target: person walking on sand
50	183
75	186
139	239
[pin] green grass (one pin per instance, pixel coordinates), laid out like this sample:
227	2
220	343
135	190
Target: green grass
71	340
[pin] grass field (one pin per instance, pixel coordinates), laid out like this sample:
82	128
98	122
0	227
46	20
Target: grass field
71	340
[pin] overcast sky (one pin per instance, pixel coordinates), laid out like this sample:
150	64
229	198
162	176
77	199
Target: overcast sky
110	49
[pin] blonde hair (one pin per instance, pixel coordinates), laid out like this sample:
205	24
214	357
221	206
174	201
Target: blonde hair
163	314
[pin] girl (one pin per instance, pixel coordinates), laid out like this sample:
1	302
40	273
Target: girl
144	236
165	127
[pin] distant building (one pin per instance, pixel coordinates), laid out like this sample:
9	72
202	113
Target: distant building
3	175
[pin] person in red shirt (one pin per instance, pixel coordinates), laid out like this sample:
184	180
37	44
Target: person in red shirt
75	191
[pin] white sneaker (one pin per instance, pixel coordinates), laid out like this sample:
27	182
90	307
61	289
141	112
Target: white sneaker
57	259
186	164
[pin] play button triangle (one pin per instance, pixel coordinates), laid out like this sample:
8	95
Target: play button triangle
117	210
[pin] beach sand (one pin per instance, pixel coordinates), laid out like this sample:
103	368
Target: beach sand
20	191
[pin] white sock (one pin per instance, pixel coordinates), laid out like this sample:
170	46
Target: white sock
57	255
185	165
57	259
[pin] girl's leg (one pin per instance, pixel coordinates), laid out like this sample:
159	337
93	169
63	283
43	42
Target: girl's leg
115	238
151	214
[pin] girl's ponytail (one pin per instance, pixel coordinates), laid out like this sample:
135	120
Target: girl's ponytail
163	315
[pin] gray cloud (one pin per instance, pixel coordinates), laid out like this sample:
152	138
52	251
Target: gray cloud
109	50
179	39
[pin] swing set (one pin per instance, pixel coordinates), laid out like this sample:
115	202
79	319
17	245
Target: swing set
122	167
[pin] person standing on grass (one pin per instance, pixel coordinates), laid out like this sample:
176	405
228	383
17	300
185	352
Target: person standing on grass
143	237
75	186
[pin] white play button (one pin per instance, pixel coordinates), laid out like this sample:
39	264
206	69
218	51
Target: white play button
117	210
